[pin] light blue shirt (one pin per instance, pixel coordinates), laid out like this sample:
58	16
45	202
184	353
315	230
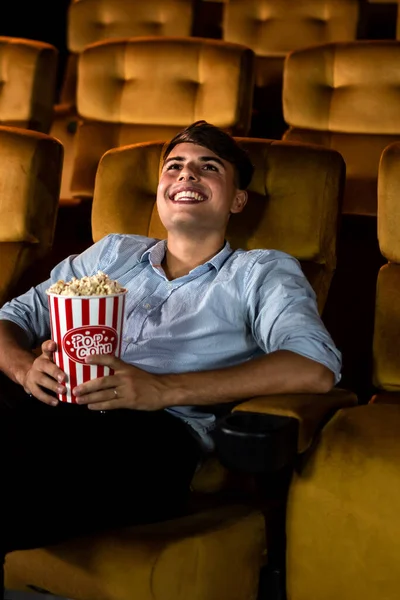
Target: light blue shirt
237	306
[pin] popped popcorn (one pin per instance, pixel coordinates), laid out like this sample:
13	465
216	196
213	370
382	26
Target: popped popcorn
95	285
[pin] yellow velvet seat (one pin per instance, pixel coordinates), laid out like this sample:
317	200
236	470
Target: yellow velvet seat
272	29
90	21
28	72
386	341
343	525
216	552
31	165
142	89
300	180
346	96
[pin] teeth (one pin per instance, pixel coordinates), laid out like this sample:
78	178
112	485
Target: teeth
189	196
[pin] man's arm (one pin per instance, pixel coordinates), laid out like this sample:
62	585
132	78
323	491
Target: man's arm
280	372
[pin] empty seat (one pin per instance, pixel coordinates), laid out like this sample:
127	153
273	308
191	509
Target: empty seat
386	342
272	29
346	96
30	166
142	89
28	74
91	21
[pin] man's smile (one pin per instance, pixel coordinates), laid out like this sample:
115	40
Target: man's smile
187	195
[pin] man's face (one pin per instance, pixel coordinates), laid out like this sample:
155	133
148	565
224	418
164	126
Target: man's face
197	190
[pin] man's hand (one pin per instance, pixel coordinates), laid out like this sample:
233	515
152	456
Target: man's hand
45	375
129	387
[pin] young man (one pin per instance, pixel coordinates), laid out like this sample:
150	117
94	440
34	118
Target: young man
204	326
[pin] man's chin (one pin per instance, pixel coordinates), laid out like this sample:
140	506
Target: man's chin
188	226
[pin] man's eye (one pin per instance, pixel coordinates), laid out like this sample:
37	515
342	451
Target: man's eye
210	167
173	166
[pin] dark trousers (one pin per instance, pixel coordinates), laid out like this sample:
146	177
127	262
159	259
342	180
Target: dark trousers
68	471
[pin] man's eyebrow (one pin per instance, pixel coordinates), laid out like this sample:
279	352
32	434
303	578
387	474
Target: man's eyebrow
174	158
213	158
201	158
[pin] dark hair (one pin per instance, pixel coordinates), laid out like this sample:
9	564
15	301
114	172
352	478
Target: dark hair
219	142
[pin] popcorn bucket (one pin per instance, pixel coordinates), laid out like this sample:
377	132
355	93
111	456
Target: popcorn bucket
84	325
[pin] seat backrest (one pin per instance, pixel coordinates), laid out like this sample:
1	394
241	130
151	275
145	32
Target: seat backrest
294	201
95	20
28	74
346	96
386	341
347	87
273	28
142	89
31	166
90	21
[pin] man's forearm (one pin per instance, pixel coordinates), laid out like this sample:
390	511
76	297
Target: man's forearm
281	372
16	357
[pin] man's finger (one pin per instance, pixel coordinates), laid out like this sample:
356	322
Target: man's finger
51	369
108	382
108	360
48	347
48	383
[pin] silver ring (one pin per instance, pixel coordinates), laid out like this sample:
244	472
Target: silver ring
115	392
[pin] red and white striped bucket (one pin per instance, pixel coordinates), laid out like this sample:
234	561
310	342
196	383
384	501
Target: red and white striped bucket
83	325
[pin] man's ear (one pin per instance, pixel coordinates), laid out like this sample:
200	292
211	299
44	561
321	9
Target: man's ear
239	202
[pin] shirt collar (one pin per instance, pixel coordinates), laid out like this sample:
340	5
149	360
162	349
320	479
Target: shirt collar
155	255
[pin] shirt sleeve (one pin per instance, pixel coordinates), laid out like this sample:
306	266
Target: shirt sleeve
30	311
283	311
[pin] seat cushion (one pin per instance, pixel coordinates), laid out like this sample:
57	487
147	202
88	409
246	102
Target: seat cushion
214	555
343	524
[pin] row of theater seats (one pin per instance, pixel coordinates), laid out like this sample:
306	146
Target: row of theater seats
270	29
339	95
342	483
342	95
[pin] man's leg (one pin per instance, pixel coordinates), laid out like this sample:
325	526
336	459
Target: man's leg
68	471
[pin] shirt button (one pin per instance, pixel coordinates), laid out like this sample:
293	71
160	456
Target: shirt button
147	306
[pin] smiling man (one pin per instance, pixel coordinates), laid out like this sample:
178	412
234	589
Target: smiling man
204	325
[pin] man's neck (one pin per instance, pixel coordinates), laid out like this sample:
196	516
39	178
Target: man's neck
182	256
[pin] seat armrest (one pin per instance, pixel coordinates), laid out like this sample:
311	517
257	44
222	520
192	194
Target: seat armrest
266	434
312	411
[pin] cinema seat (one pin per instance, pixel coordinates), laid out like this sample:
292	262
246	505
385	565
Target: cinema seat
142	89
346	96
90	21
273	29
30	167
28	72
386	341
219	551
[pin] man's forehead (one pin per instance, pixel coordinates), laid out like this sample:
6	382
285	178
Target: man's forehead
187	150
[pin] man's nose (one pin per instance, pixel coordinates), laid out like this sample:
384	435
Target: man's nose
188	174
